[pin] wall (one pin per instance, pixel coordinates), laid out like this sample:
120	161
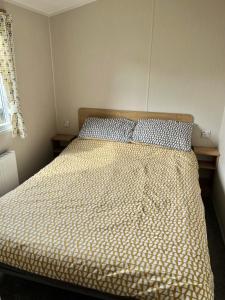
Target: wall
188	61
34	72
219	190
101	57
142	54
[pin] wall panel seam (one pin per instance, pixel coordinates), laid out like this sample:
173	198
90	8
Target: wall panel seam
53	72
150	56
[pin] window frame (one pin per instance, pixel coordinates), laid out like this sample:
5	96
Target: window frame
4	127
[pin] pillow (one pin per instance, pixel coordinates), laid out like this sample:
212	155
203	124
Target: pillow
115	129
166	133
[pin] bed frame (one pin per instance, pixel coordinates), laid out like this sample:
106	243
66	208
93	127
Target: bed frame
84	113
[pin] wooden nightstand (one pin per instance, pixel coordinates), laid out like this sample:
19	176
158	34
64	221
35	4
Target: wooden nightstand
60	142
207	160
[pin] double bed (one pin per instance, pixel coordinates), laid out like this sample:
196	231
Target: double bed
111	219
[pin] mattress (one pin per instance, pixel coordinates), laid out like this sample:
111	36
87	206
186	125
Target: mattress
124	219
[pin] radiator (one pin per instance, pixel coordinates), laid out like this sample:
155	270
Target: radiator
8	172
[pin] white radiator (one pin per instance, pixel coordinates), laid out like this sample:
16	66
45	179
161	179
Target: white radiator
8	172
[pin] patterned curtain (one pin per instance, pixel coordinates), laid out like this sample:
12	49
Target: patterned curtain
8	73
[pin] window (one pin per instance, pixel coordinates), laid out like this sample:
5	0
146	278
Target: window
4	110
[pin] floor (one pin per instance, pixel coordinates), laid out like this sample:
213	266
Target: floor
14	289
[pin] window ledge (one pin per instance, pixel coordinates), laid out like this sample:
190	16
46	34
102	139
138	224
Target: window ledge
6	128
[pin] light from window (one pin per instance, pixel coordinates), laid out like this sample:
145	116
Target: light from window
4	110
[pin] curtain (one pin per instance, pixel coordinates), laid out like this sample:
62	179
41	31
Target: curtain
8	73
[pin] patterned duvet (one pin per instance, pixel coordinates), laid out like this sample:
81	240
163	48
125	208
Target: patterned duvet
124	219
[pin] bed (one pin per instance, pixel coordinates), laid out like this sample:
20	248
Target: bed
112	220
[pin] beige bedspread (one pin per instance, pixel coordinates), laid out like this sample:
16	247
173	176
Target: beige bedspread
121	218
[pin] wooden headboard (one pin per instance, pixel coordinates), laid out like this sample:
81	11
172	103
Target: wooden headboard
84	113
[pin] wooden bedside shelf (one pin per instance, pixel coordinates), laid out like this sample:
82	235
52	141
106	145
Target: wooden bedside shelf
207	165
60	142
63	137
207	160
207	157
207	151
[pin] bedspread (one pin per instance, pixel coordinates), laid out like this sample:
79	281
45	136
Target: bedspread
125	219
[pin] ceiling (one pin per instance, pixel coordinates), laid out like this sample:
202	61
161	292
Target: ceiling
50	7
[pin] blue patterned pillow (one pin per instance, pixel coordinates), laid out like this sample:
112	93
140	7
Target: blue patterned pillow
115	129
166	133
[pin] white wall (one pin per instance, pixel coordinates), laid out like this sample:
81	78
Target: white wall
219	190
127	55
188	61
33	60
101	57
